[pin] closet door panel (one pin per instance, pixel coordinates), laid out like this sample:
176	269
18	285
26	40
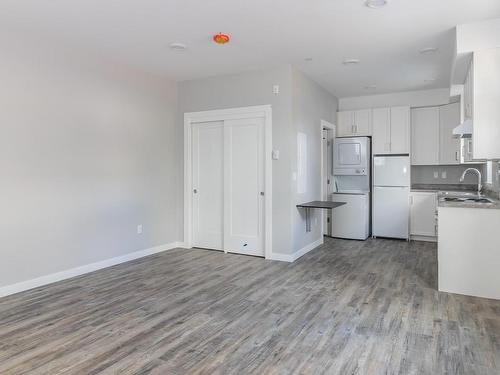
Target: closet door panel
243	184
208	184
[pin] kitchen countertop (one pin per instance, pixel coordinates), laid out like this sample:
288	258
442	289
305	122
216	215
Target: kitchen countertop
456	188
494	205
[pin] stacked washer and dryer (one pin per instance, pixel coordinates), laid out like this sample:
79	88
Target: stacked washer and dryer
351	169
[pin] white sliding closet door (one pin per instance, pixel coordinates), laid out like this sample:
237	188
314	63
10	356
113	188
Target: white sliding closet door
244	186
208	184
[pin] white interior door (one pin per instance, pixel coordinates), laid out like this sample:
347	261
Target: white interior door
208	184
244	186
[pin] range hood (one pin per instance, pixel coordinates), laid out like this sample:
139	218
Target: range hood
464	130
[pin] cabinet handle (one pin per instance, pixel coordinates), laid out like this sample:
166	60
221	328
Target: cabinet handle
352	129
456	155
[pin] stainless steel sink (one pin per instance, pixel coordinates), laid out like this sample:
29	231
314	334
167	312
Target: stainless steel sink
468	199
461	194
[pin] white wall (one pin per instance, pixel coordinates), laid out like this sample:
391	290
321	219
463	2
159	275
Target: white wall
412	98
299	106
310	104
247	89
87	152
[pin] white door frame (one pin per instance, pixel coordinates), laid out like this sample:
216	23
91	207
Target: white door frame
328	125
263	111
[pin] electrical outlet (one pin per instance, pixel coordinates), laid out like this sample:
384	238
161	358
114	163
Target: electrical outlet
443	174
276	154
139	229
436	174
276	89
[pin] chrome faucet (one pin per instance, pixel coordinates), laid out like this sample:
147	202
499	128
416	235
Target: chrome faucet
479	185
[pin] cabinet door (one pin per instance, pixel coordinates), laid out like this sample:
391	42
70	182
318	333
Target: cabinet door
381	131
400	130
425	136
363	122
467	150
486	104
423	214
345	123
468	93
449	146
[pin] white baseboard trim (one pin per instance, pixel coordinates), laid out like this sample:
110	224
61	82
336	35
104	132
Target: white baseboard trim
281	257
423	238
77	271
293	257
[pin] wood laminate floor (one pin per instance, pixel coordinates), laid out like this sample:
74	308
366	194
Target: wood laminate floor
347	307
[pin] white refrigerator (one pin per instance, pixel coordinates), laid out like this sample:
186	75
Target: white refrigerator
391	196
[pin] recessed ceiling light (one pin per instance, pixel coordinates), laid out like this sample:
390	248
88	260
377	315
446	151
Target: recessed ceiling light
375	4
429	80
350	61
308	59
178	46
428	50
370	87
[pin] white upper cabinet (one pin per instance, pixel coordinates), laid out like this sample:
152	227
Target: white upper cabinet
391	130
485	103
400	130
381	136
425	136
354	123
345	121
363	122
468	84
449	146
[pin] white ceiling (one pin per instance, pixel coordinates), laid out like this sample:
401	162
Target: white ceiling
265	33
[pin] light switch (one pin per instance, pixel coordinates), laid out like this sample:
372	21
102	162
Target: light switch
276	154
139	229
443	174
276	89
436	174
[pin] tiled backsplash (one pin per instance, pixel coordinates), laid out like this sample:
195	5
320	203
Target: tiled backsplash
446	174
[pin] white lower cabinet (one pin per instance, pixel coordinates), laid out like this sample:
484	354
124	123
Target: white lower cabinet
423	215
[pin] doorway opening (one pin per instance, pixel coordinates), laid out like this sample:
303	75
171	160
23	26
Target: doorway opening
327	178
